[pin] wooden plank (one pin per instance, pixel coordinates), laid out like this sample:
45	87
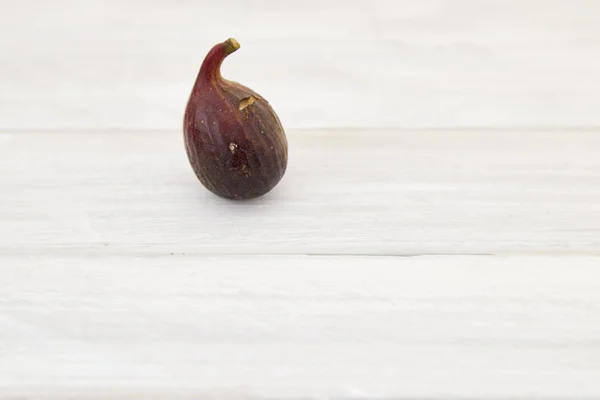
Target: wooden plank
299	327
345	192
354	63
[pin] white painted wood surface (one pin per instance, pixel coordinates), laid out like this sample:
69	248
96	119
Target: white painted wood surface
104	64
346	192
121	277
171	327
388	263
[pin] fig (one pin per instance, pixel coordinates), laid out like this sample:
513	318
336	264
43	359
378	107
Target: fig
234	140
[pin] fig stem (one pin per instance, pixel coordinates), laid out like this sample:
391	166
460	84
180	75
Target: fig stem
231	45
211	67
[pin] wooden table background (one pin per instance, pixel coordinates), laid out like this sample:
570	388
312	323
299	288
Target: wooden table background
437	233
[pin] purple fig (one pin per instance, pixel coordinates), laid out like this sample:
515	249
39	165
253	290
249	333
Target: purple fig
234	141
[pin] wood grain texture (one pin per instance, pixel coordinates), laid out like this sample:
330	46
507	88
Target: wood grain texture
174	327
121	277
352	63
345	192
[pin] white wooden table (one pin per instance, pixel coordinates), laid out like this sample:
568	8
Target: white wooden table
388	264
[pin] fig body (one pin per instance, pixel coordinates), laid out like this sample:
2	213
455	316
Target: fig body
234	140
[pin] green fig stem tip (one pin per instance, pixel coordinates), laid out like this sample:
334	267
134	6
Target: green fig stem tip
231	45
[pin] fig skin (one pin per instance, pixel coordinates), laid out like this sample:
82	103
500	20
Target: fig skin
234	140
